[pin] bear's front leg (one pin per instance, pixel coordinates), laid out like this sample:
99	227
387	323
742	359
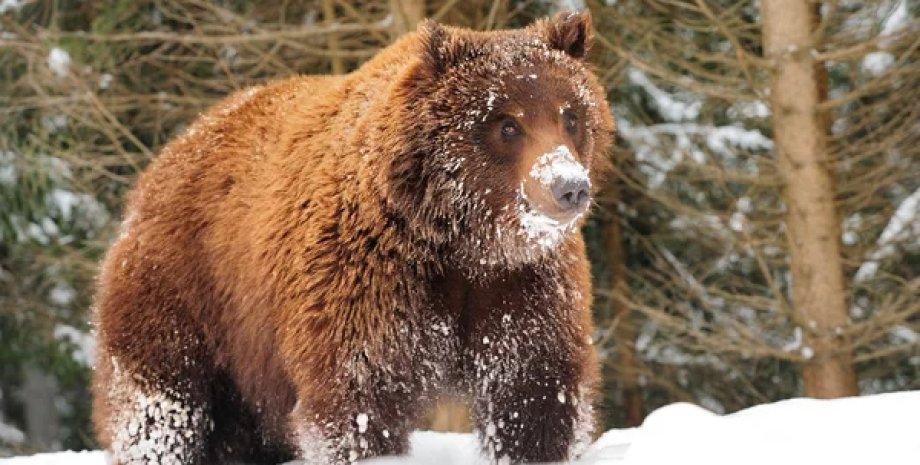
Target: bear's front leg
353	407
341	425
538	411
532	372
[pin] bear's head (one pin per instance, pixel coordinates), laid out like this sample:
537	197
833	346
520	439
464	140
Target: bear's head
509	130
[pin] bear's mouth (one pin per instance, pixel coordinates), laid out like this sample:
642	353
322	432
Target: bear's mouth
554	193
545	228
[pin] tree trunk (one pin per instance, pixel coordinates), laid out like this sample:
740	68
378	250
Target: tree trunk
627	364
813	226
338	66
42	418
406	15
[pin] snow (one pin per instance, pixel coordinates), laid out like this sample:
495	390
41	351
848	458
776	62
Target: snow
84	343
662	147
10	434
59	62
748	109
60	458
10	5
436	448
490	103
8	173
61	294
68	211
899	18
361	420
854	431
903	227
568	5
876	63
105	81
877	429
807	353
55	123
850	229
67	203
540	228
673	107
658	155
796	342
162	427
905	334
558	163
745	205
720	137
737	222
849	238
230	55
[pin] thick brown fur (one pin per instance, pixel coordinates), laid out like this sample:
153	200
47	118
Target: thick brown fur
316	260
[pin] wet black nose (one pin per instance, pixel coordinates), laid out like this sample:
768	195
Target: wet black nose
571	193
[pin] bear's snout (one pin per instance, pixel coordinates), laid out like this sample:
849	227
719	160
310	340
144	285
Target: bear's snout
571	193
558	185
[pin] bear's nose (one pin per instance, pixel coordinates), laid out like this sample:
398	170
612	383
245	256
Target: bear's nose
571	193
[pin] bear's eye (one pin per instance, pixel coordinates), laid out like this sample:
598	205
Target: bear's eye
570	121
510	129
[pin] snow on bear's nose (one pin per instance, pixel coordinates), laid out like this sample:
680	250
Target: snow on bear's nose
559	172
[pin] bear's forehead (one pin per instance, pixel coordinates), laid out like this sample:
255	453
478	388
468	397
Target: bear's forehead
512	73
535	75
505	58
534	66
502	55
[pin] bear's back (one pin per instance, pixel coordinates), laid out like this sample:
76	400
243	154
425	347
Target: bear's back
225	142
249	136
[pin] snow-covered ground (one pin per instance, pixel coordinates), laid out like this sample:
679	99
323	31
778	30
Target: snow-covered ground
880	429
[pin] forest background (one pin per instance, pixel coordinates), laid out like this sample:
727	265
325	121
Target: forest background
759	240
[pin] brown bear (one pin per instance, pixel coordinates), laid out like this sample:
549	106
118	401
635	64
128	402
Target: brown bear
316	260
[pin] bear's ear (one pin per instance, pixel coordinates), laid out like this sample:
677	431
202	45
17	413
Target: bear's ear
569	31
432	36
440	47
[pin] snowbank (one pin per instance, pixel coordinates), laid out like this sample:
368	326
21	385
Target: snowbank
880	429
60	458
